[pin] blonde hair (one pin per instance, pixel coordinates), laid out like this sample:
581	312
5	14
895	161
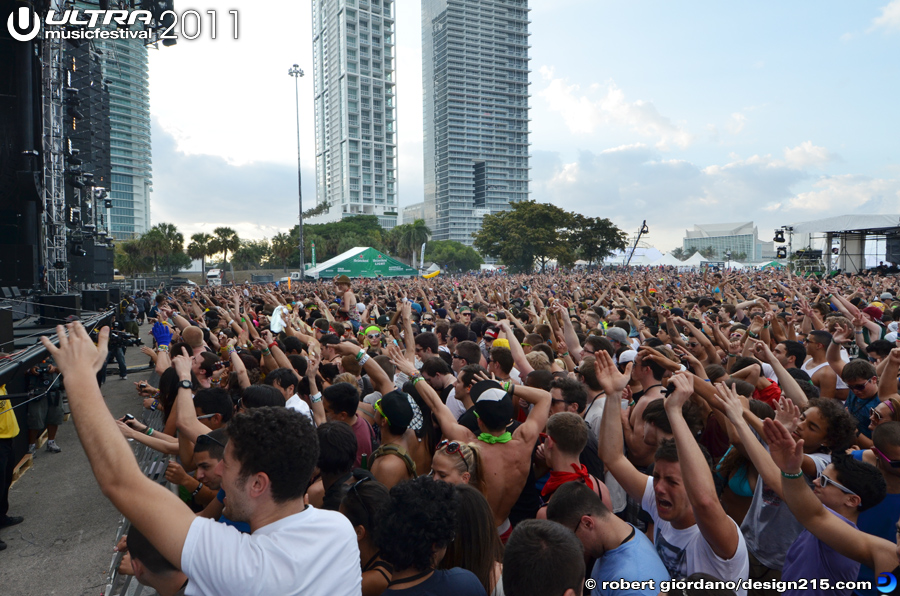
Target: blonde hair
346	378
469	462
538	360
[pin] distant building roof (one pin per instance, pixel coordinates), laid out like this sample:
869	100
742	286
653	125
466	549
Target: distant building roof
848	223
721	229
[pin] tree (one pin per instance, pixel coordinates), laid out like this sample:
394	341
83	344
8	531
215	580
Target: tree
199	248
130	258
153	244
739	256
529	231
251	254
412	237
452	255
596	238
282	248
224	240
708	253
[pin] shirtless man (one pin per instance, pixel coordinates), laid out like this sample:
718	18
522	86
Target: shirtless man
822	375
391	463
506	457
650	375
348	298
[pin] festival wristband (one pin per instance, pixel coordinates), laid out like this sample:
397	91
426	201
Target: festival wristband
792	476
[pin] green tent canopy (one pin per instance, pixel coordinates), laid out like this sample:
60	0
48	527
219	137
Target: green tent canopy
361	261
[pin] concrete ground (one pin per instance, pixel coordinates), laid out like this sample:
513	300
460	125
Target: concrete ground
65	545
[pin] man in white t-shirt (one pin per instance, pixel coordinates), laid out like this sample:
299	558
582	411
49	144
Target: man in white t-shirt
692	532
294	549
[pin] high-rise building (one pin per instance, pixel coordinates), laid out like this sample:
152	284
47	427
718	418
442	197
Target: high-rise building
126	72
475	79
739	240
356	110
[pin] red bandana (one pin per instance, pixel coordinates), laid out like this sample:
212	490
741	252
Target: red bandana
557	479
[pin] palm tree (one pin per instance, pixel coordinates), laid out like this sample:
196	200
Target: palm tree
224	240
130	259
413	236
174	242
282	248
153	244
199	248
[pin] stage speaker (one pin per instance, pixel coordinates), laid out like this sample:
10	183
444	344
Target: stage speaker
115	296
6	330
95	300
55	308
892	249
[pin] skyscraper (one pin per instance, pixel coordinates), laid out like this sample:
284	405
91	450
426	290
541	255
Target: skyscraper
356	113
126	72
475	79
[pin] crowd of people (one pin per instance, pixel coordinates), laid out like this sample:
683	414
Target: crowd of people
604	432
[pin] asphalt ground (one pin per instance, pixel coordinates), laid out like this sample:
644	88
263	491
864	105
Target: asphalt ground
65	545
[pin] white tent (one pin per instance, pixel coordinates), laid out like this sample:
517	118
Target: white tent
694	261
667	260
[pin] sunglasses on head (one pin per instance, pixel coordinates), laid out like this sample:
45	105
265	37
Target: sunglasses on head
891	462
353	489
453	447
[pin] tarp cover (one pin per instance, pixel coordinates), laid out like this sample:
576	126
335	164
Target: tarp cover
362	261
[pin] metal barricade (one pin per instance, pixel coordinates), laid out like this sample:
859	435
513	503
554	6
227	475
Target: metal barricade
153	465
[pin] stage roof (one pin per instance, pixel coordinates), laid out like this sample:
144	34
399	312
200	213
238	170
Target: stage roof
874	224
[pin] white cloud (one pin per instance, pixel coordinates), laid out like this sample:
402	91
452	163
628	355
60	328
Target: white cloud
736	124
806	155
889	19
849	193
605	105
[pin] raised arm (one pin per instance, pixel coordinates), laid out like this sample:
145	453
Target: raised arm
869	550
186	416
720	532
612	441
156	512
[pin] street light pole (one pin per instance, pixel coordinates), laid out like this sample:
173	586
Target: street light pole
297	72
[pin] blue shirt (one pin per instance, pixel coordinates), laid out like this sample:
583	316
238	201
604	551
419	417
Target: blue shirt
243	527
880	521
634	561
859	409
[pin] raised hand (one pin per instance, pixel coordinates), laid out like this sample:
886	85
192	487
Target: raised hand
76	351
182	365
684	387
730	401
787	453
608	375
788	414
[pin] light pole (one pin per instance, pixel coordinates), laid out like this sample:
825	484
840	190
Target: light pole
297	72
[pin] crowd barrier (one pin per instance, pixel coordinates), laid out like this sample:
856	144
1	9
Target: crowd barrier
153	465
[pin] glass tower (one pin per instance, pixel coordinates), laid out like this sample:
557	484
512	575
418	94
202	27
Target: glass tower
355	109
475	79
126	73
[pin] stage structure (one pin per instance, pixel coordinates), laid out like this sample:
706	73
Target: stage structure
852	232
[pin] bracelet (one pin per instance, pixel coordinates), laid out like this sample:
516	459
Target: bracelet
792	476
162	348
197	490
274	343
316	398
266	351
360	354
732	355
415	379
154	405
753	335
564	354
860	332
364	359
765	326
149	431
506	385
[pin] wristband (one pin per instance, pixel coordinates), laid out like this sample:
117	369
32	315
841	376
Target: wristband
316	398
266	351
416	379
732	355
360	354
792	476
274	343
364	359
564	354
149	432
753	335
162	348
154	405
506	385
197	490
859	332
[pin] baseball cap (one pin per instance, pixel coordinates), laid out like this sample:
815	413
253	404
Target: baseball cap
501	343
887	296
627	356
493	405
396	409
491	333
874	312
617	334
891	337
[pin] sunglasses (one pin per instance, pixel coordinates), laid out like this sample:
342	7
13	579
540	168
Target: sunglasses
374	336
825	481
891	462
453	447
204	417
458	357
353	489
859	386
380	411
878	415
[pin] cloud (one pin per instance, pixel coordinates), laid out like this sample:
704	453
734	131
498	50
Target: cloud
736	124
631	183
606	105
199	192
889	19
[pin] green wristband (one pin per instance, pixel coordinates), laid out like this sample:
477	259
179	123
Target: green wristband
792	476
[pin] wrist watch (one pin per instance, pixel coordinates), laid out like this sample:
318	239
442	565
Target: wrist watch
185	384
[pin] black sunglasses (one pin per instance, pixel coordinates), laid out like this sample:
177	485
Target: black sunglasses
353	489
458	357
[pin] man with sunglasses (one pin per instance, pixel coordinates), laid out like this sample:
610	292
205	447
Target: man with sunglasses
881	520
843	490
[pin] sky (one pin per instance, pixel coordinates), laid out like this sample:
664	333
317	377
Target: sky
680	113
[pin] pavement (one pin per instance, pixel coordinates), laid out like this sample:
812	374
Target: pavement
65	545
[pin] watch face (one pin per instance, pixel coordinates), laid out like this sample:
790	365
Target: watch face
186	384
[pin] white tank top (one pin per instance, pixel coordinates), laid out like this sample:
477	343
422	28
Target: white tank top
840	384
